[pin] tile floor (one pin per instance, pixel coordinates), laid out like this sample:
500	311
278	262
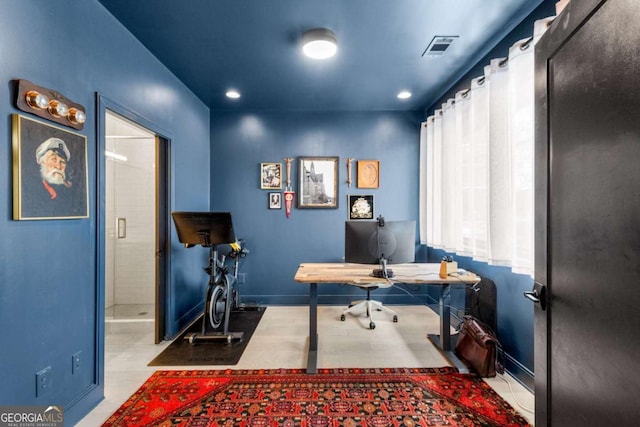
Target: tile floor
128	312
280	341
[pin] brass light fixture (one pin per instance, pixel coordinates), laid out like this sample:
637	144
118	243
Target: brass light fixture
76	116
49	104
58	109
37	100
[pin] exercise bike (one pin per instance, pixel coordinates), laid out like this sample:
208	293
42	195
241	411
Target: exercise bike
214	230
222	292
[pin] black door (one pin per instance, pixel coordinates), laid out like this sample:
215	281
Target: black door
587	345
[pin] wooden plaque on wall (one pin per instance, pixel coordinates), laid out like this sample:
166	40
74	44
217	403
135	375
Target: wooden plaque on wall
368	174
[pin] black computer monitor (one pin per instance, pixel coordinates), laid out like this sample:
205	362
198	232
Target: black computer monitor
367	242
204	228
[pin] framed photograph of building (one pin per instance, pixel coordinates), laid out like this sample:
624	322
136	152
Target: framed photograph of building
275	200
360	206
318	182
271	176
49	171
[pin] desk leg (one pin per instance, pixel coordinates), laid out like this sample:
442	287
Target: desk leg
443	341
312	358
445	318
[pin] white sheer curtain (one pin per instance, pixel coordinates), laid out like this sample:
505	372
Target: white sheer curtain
500	217
479	172
426	179
476	177
450	203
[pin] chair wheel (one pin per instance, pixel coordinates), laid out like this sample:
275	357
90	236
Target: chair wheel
342	317
372	325
395	319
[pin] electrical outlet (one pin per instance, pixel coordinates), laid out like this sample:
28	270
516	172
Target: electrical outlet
75	363
43	381
242	278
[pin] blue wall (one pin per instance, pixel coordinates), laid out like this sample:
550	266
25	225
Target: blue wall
50	294
241	141
515	313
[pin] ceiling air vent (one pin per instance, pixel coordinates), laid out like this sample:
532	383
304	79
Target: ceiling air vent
439	45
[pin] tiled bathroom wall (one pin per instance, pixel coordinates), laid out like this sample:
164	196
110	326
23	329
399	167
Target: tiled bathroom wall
130	222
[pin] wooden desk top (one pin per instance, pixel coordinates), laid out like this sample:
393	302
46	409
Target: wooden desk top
360	274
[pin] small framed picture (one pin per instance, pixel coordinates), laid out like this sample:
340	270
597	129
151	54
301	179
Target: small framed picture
360	206
270	176
275	200
368	174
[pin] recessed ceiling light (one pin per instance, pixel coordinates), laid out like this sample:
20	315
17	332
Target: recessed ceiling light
319	43
233	94
405	94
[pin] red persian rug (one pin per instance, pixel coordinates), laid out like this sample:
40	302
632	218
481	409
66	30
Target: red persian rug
333	397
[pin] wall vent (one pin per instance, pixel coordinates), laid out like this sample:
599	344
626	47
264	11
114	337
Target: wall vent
439	45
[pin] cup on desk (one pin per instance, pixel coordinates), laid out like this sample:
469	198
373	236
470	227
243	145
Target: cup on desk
452	267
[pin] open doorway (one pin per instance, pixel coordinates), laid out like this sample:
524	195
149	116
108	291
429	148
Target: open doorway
135	223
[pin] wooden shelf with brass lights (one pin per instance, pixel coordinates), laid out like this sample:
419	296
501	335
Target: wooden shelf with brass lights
75	110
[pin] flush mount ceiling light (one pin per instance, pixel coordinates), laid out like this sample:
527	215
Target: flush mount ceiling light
405	94
319	43
233	94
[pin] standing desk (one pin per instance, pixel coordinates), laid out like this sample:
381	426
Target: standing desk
360	274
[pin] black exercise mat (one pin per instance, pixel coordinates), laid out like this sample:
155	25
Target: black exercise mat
207	352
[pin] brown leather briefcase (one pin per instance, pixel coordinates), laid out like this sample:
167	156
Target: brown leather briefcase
477	347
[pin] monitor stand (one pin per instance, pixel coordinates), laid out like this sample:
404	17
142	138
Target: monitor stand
383	272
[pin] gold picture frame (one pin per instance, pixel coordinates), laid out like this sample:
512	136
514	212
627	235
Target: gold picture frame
368	175
270	176
50	179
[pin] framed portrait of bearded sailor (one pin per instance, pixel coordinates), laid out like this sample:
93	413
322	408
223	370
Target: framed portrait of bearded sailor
49	172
